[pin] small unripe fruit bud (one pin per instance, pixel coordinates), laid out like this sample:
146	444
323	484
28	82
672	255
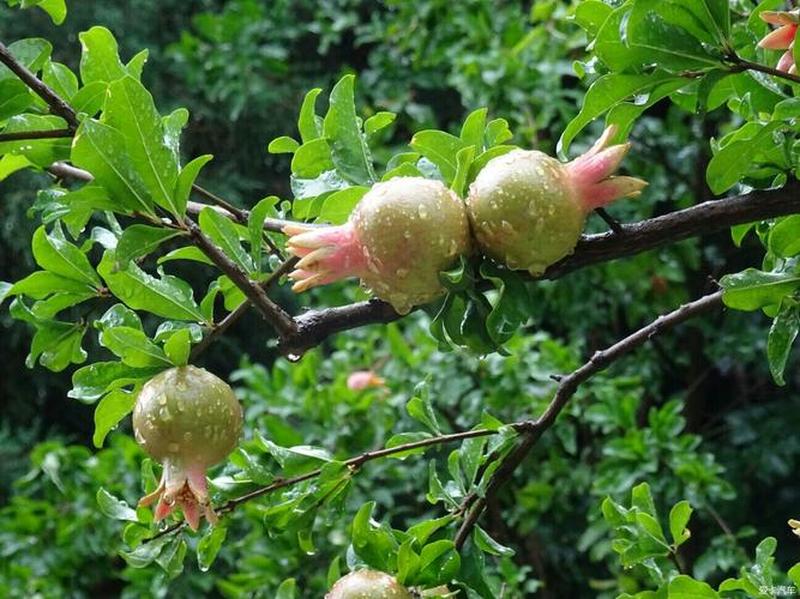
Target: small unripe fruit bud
528	210
188	420
368	584
401	234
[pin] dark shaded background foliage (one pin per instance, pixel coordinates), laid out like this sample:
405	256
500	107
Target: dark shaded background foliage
242	67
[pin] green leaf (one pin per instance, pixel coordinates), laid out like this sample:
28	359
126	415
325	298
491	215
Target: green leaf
605	93
209	545
60	79
10	164
190	252
312	159
497	133
287	589
41	152
255	227
378	121
784	237
223	232
133	347
186	179
146	553
591	14
440	148
473	129
337	206
373	542
171	558
115	508
42	283
464	159
130	110
489	545
421	409
307	122
733	161
349	150
100	56
685	587
283	145
91	382
678	519
15	97
178	347
90	98
781	337
102	151
168	296
32	53
439	562
140	240
109	412
511	307
753	289
63	258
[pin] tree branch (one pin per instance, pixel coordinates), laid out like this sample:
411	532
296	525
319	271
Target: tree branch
740	64
709	217
26	135
57	106
567	388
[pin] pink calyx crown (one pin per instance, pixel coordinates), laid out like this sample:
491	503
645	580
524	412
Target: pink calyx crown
186	489
326	254
782	38
592	173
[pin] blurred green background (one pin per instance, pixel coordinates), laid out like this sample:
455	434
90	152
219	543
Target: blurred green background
695	413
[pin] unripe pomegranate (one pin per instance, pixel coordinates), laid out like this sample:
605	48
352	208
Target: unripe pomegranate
187	419
528	210
782	38
368	584
398	238
364	379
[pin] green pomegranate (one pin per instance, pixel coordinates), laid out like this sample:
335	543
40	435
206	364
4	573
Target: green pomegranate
188	420
528	210
398	238
368	584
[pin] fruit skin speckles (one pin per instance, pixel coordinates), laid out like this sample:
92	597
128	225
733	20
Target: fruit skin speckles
368	584
188	420
527	210
398	238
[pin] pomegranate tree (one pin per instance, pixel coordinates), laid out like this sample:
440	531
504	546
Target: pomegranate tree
398	238
368	584
528	210
187	419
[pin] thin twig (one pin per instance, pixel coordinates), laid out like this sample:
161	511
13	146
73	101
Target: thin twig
741	64
57	105
567	388
612	222
353	463
276	316
241	310
26	135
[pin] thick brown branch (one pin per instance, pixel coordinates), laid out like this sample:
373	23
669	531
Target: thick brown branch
57	106
272	312
26	135
740	64
567	388
709	217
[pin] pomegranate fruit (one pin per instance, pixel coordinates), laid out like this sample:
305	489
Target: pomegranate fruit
368	584
187	419
528	210
782	38
398	238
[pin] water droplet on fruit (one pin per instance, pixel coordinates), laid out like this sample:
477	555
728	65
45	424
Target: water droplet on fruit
422	211
402	273
173	448
162	399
